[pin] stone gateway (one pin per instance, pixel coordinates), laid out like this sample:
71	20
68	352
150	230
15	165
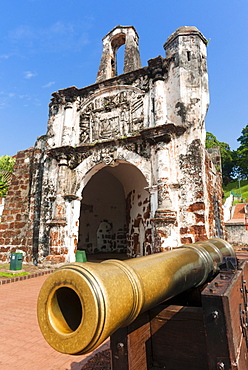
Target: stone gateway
123	166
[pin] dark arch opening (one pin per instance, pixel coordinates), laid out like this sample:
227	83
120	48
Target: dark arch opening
102	227
115	212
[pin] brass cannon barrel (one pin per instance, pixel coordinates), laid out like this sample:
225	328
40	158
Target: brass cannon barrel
81	304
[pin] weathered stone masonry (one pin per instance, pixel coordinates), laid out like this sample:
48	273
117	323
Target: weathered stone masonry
123	166
20	217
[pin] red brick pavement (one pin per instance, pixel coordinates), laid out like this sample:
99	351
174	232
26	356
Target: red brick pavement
22	345
239	211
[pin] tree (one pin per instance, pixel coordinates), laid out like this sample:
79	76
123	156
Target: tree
227	157
242	154
6	170
7	163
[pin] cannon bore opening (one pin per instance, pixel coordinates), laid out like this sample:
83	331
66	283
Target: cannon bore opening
65	310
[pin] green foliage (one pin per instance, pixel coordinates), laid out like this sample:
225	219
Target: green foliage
242	154
225	151
3	188
7	163
227	156
6	170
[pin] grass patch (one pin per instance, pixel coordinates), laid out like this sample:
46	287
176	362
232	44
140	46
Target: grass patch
10	275
236	187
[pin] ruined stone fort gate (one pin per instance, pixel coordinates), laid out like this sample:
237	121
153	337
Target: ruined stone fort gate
123	166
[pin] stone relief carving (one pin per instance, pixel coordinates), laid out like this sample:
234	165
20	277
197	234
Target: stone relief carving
106	155
71	158
142	83
84	125
141	148
112	116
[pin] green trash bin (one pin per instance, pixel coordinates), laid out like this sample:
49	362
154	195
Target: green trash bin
81	256
16	261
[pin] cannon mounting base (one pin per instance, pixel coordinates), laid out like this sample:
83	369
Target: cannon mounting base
203	329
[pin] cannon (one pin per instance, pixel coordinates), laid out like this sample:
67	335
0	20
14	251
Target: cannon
81	304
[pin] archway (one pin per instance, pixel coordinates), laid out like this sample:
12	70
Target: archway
115	212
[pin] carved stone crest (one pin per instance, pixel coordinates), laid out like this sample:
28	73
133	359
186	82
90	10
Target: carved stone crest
112	116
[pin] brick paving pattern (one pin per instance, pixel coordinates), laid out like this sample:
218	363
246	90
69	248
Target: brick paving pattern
22	345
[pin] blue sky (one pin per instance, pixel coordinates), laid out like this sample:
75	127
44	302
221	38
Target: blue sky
47	45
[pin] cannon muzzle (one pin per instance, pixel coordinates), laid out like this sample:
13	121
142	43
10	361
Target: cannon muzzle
81	304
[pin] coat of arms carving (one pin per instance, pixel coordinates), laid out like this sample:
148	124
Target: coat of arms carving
107	117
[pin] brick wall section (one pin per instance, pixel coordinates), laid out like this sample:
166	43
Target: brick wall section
16	227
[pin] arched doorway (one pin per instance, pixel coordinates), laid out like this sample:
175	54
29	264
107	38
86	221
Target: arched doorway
115	212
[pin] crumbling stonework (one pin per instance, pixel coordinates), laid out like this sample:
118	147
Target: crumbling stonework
123	166
19	229
119	36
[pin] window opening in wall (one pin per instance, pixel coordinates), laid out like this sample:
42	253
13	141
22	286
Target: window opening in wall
120	59
189	56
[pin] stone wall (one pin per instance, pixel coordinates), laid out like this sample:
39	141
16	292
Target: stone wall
123	166
214	201
237	234
17	227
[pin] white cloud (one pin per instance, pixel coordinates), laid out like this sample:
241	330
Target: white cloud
5	56
49	84
25	96
59	36
3	104
6	99
60	28
22	32
37	102
29	74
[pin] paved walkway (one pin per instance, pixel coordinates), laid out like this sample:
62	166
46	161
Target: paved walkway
239	211
238	214
22	345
